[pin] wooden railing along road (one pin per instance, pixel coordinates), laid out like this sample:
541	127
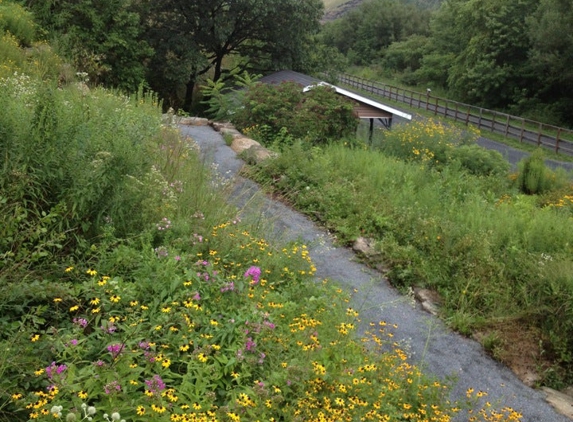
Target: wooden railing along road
556	138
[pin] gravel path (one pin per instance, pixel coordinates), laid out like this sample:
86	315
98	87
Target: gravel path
431	345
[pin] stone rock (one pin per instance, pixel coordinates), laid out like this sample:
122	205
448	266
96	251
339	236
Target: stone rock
241	144
429	300
365	247
193	121
231	131
256	154
220	125
561	402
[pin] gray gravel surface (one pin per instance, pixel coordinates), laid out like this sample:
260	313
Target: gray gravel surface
429	343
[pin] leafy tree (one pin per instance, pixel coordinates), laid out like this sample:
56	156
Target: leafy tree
103	37
366	31
207	35
551	57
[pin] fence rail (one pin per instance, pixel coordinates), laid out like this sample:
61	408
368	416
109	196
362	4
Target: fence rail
552	137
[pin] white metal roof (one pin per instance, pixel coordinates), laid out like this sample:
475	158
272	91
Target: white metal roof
361	99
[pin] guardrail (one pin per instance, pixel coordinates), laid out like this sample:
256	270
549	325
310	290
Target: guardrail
529	131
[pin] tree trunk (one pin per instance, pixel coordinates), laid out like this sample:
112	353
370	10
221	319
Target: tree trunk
190	89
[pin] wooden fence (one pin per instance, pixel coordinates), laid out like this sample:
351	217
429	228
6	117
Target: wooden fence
556	138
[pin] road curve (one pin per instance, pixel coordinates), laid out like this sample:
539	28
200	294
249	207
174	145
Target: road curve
430	344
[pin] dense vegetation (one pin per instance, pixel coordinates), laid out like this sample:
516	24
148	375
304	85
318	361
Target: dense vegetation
131	291
444	214
170	45
509	55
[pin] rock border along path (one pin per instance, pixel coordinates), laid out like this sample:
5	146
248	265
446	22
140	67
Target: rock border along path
430	344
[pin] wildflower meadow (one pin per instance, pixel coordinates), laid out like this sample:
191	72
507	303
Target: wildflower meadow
131	291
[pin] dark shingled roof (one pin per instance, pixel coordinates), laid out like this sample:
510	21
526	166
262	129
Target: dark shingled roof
289	76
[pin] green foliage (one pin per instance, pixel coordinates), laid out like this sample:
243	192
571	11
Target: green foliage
317	116
189	48
365	32
437	145
18	22
480	161
534	177
223	101
104	39
491	253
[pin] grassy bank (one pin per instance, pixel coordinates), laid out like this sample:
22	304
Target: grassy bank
500	260
130	291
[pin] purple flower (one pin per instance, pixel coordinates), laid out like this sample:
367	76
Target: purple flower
73	342
155	384
228	287
82	322
112	387
255	273
250	345
54	369
115	349
177	258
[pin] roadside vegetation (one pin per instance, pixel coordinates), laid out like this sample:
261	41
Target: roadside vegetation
446	215
131	291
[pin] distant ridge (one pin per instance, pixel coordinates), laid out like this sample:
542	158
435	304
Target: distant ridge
332	13
334	9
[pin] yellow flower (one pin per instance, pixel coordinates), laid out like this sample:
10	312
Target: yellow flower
83	395
74	308
91	272
38	372
133	303
94	301
140	411
16	396
115	298
35	338
184	348
69	269
96	310
57	299
158	409
166	363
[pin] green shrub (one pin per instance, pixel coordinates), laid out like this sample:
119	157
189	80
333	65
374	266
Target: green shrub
17	21
534	176
480	161
317	116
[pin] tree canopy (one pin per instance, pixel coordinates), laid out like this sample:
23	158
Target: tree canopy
192	38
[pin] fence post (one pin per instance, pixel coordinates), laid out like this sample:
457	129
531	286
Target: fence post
557	141
479	119
456	116
493	121
507	125
446	109
539	133
436	107
468	115
522	130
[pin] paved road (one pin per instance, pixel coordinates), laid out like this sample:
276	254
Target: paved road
430	344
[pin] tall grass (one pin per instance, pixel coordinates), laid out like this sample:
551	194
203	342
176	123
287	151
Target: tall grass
492	252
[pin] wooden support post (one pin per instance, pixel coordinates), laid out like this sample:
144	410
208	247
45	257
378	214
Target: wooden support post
507	125
557	141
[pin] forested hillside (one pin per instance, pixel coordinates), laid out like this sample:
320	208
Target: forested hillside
512	55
